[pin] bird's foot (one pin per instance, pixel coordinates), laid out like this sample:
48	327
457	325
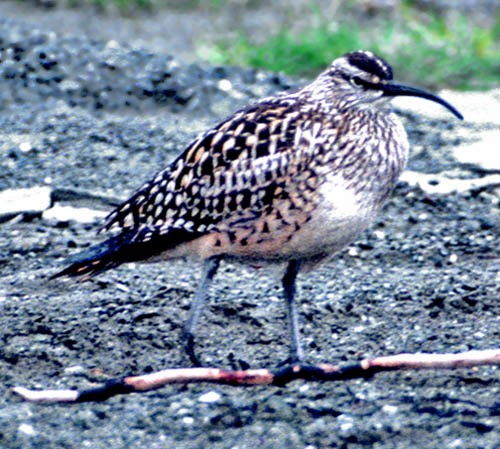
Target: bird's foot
292	359
189	348
237	364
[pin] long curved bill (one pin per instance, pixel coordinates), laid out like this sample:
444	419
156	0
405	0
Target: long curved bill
399	90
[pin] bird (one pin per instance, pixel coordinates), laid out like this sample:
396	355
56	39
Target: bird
292	178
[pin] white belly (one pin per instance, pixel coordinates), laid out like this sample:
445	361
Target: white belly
341	215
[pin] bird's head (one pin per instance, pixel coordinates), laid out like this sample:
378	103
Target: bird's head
365	78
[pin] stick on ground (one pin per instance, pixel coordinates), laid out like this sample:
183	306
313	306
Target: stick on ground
325	372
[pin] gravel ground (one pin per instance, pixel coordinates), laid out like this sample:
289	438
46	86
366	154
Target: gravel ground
92	121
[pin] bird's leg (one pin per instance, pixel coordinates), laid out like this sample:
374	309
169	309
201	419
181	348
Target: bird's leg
293	319
209	269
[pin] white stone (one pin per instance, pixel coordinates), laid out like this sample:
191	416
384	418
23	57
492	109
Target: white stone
69	213
455	443
346	422
27	429
483	153
30	200
73	370
25	147
225	85
390	409
208	398
112	44
304	388
353	252
346	426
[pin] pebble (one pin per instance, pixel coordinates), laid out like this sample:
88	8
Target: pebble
25	147
353	251
74	370
27	429
390	409
210	397
345	422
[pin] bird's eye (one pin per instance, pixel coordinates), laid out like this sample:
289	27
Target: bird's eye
356	81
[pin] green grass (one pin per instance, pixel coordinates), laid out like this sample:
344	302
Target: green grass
436	53
296	55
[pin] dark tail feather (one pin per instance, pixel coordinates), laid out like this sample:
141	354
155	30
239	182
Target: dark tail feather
120	249
98	258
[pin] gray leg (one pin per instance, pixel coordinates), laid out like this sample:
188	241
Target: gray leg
293	319
209	269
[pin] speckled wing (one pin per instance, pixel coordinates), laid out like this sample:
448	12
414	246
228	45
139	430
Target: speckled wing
229	179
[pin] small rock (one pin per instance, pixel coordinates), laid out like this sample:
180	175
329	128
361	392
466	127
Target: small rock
68	213
27	429
188	420
390	409
225	85
210	397
353	252
29	201
25	147
482	153
74	370
345	422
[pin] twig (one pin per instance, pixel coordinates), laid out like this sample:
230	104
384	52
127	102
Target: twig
325	372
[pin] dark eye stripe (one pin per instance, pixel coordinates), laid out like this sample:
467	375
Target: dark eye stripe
356	80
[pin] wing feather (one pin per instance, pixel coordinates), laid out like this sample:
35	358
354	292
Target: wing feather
232	173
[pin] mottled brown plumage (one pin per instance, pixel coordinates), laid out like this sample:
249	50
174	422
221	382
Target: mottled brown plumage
293	177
